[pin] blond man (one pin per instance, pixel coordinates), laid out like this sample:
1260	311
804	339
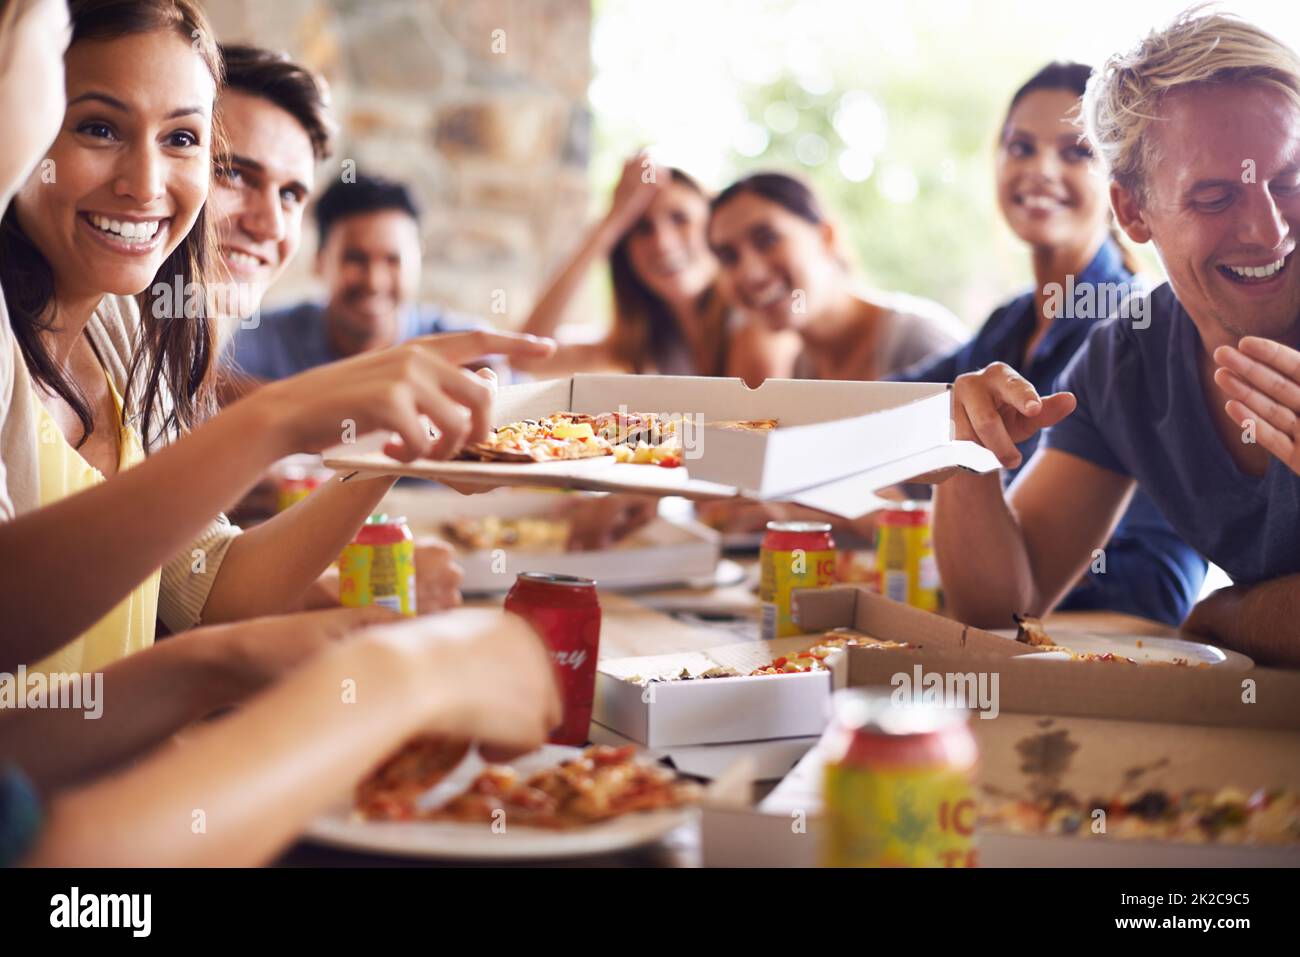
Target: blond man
1192	391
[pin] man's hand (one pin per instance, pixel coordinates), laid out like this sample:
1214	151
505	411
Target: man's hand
1263	379
998	408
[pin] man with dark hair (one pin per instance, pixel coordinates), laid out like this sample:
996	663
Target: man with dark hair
369	260
275	115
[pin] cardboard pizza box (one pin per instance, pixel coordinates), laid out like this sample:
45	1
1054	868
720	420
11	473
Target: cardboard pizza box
1103	758
1090	729
714	710
661	554
837	444
1264	698
717	710
769	760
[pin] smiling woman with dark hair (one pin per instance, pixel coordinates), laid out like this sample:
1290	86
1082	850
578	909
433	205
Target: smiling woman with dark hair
782	263
95	792
669	316
109	452
1054	201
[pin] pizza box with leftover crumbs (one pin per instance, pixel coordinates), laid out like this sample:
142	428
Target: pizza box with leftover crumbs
836	445
661	554
1265	698
1023	755
702	711
770	760
751	708
1092	730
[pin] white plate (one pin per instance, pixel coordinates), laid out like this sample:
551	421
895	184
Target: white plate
1145	649
451	840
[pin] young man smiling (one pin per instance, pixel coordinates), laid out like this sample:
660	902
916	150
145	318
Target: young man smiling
368	257
1198	403
275	115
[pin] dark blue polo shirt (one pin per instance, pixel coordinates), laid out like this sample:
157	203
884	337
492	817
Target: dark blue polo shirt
1142	413
292	340
1149	570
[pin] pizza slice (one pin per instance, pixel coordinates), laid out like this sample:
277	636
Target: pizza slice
556	437
390	791
600	784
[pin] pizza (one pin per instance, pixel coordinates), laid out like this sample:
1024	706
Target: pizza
814	658
529	533
636	438
1228	816
563	436
667	454
1031	632
389	792
598	785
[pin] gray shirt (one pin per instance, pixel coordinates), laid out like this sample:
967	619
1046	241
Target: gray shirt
911	329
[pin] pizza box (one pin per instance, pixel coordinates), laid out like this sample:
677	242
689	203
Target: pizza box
1092	729
970	658
661	554
837	444
713	710
769	760
1023	755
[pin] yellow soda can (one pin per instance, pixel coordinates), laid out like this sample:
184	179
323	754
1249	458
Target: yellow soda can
897	788
905	556
794	555
378	567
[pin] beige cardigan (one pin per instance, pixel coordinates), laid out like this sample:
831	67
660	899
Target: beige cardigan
113	329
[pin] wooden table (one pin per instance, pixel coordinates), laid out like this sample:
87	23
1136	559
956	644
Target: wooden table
631	625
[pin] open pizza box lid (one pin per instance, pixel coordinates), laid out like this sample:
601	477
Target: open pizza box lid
837	443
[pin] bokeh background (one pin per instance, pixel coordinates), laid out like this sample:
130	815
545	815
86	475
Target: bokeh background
511	118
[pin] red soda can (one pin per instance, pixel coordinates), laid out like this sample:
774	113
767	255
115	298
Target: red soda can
565	612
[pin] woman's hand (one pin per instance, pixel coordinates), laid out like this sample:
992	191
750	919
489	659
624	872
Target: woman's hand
640	182
394	390
437	576
249	655
481	675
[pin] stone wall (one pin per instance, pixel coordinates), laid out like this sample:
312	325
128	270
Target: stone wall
479	104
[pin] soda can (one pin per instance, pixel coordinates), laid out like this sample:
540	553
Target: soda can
565	612
293	484
378	568
794	555
897	788
905	556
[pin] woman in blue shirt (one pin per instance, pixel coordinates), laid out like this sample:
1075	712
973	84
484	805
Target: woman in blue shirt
1051	197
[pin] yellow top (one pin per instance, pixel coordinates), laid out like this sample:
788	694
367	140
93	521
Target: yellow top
129	627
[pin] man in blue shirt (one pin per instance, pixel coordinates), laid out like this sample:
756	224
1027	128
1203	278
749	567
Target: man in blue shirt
1191	393
1144	569
368	256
